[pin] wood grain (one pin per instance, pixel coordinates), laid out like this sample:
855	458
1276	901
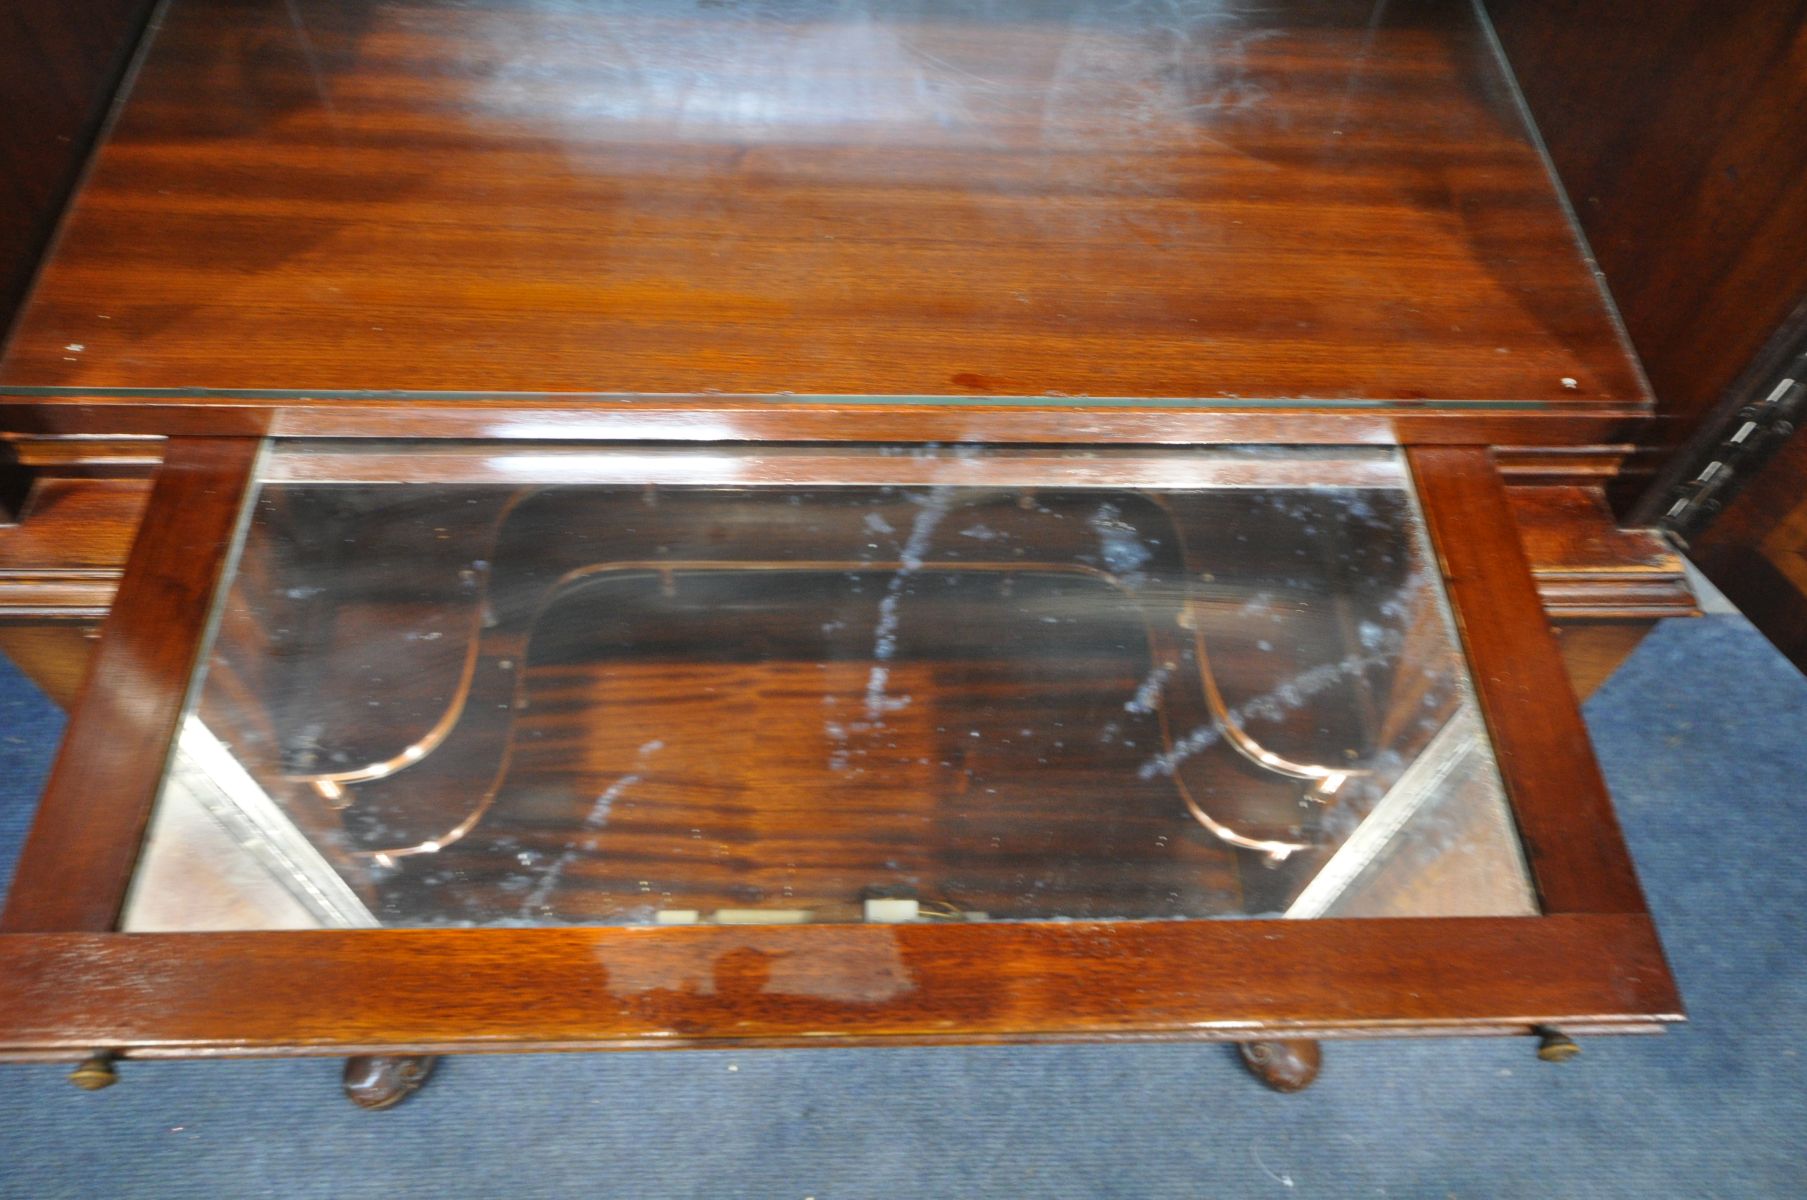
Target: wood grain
60	61
1086	200
1589	568
63	560
1594	962
1565	818
1677	130
598	417
1592	651
79	855
53	655
398	991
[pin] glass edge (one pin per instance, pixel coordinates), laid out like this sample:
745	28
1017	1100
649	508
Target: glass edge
574	399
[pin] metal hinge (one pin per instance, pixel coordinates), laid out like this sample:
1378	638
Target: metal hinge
1758	429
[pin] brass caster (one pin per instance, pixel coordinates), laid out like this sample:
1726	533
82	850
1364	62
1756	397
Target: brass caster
1288	1066
1554	1047
378	1081
95	1072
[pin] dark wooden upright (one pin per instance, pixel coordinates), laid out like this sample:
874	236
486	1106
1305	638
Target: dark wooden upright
1678	130
60	61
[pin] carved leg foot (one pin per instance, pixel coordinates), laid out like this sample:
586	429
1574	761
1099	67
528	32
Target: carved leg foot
375	1081
1555	1047
95	1072
1288	1066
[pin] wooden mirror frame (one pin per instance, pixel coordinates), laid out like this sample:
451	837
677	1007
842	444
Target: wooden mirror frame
71	986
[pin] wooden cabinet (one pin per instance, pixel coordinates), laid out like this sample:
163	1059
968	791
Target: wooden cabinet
1126	431
1677	135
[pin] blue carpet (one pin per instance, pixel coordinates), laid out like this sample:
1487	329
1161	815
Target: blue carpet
1701	735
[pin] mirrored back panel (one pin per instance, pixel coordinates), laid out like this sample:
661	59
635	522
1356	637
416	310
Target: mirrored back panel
498	685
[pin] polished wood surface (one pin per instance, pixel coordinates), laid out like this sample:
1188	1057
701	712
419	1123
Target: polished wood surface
576	417
1677	130
1596	966
1324	200
1072	224
53	655
1593	651
1589	568
69	509
28	462
60	61
1565	818
78	856
400	991
62	560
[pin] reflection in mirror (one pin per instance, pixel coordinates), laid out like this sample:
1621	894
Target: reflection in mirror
791	686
